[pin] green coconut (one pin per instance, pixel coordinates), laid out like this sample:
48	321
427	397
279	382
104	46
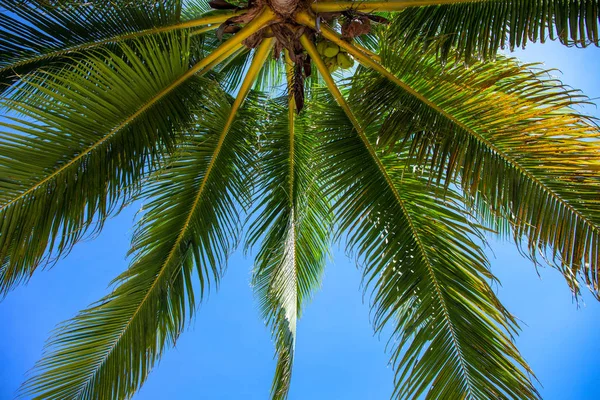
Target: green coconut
331	63
321	46
331	50
344	60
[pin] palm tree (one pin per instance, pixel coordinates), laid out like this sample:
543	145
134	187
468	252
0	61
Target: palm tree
222	116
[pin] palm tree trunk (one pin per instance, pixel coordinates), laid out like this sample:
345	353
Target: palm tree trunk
285	8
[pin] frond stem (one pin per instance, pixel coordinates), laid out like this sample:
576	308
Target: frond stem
292	172
289	68
203	30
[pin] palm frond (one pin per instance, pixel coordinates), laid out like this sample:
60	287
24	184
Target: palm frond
34	30
451	337
234	69
477	30
272	77
64	142
293	227
509	134
48	203
38	35
428	276
190	225
191	9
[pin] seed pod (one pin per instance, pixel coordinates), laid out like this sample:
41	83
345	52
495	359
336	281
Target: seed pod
321	47
344	60
331	63
331	50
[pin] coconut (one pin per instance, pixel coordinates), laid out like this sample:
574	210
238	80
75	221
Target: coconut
331	63
321	47
331	50
344	60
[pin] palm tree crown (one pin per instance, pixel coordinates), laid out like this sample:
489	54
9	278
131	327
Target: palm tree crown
287	124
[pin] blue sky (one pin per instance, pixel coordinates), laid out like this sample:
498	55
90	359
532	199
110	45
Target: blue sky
227	352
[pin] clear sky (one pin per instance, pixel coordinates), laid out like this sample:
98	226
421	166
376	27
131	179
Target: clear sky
227	352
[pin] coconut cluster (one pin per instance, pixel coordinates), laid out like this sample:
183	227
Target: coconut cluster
334	56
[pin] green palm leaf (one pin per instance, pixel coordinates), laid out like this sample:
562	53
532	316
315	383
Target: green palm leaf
36	34
294	225
39	188
474	30
509	134
62	147
33	31
428	276
189	227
